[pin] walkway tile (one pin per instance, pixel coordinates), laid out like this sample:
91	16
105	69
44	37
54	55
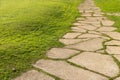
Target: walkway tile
90	45
107	23
66	71
94	61
105	29
89	36
61	53
113	42
71	41
113	49
34	75
71	35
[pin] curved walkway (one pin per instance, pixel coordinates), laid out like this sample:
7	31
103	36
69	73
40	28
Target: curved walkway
91	52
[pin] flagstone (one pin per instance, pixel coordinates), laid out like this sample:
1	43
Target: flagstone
71	35
89	36
97	62
78	29
61	53
34	75
113	42
90	45
66	71
107	23
104	29
114	35
113	49
71	41
88	27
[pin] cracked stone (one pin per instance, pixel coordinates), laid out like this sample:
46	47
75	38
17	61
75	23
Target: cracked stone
34	75
78	29
61	53
107	22
66	71
105	29
89	36
90	45
97	62
71	35
94	32
113	49
71	41
113	42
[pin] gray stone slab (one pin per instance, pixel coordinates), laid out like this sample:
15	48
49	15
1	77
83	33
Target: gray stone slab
90	45
34	75
66	71
113	49
61	53
94	61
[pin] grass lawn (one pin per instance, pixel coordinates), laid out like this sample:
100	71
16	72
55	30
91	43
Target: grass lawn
110	6
30	27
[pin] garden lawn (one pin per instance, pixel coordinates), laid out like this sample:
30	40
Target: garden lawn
28	28
110	6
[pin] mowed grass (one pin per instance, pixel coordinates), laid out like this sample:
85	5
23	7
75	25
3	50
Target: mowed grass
28	28
110	6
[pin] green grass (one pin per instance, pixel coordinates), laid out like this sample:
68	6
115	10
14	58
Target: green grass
28	28
111	6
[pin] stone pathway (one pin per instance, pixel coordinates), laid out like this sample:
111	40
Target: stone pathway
92	51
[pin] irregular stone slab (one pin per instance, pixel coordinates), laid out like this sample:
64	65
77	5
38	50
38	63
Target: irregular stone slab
94	61
89	36
61	53
107	23
118	78
78	29
86	14
34	75
94	32
113	42
81	19
71	35
97	15
90	45
76	24
113	49
100	51
66	71
71	41
104	29
117	56
114	35
88	27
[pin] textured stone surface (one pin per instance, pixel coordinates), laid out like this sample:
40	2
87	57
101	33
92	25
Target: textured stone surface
106	29
71	41
94	32
88	27
71	35
113	42
117	56
114	35
97	62
107	23
78	29
113	49
90	45
67	71
117	78
89	36
34	75
61	53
